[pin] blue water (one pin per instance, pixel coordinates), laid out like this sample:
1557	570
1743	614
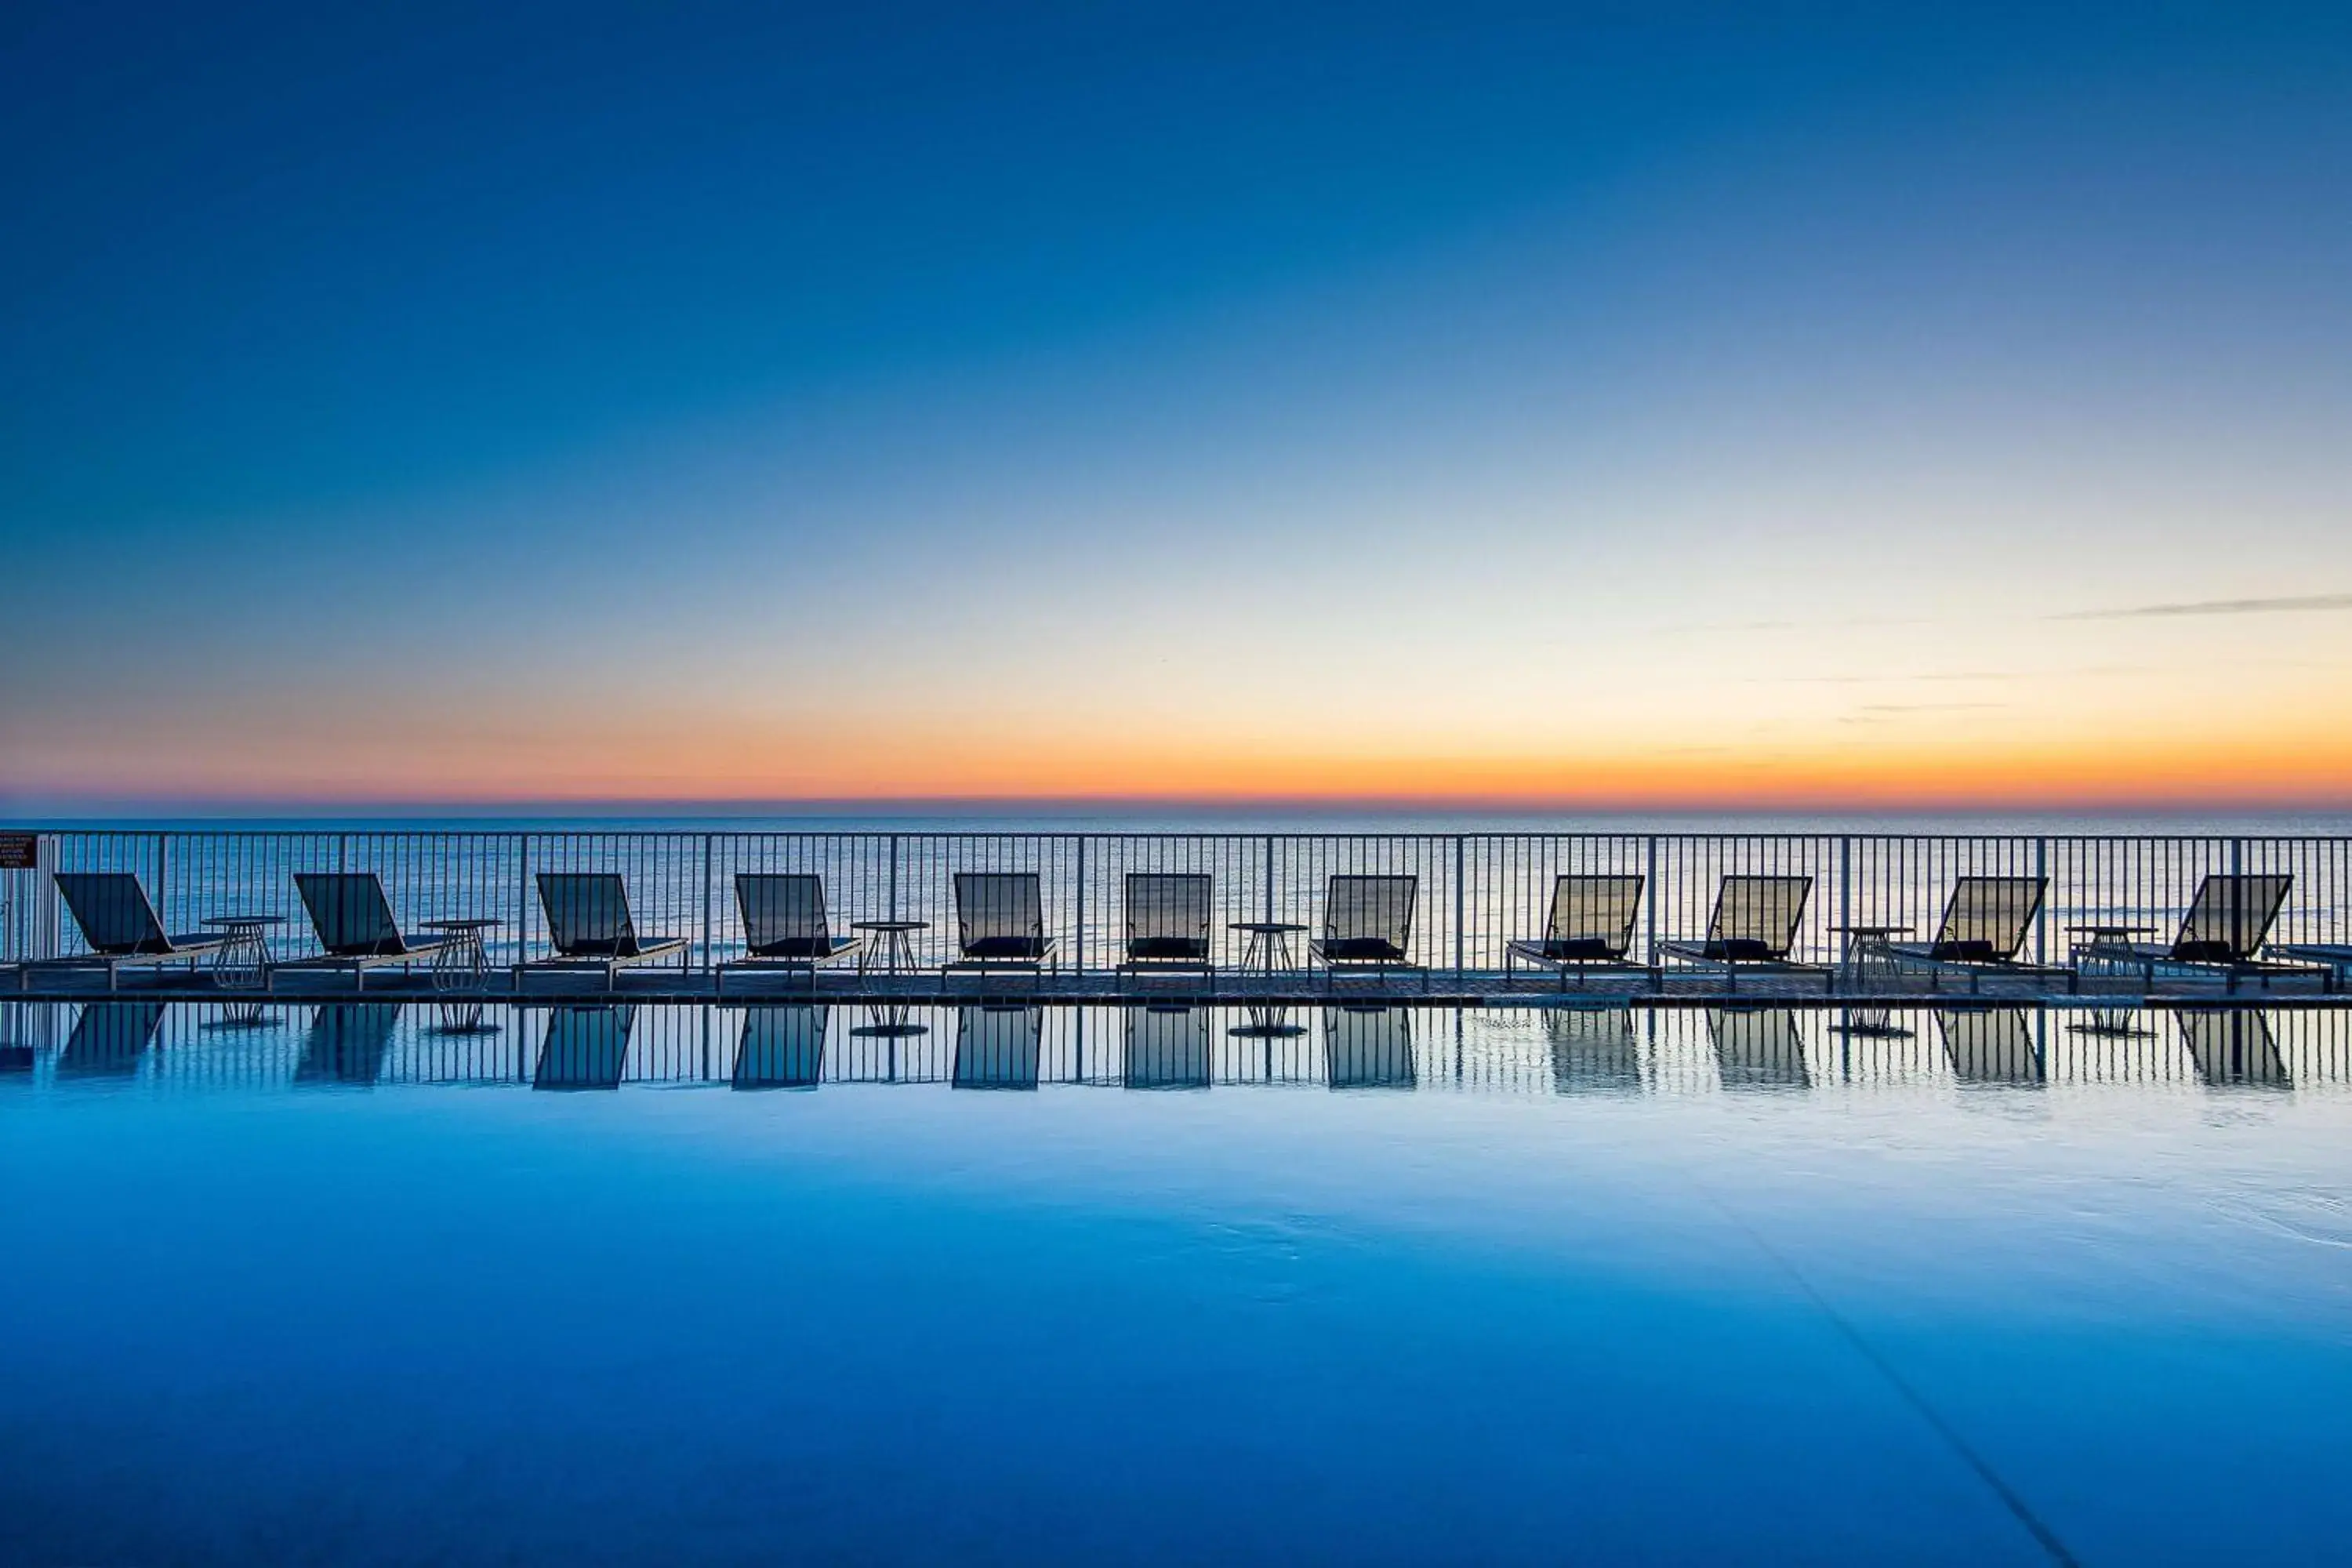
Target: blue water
1667	1313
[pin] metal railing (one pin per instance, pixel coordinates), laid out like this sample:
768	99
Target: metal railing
1476	892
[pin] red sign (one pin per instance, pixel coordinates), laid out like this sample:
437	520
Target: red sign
20	851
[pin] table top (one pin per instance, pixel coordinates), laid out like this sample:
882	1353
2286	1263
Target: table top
230	922
1870	929
890	925
1265	927
470	924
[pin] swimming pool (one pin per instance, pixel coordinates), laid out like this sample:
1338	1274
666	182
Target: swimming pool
298	1283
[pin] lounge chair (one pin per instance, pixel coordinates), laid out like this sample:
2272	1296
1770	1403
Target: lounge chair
347	1043
588	923
2226	925
586	1047
784	925
1369	1047
2334	957
1168	922
1166	1046
119	926
1753	927
1985	924
1991	1044
355	926
998	1047
1368	924
782	1046
1590	927
999	924
1758	1047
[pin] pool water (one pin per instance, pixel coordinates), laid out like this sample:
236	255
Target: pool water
1546	1294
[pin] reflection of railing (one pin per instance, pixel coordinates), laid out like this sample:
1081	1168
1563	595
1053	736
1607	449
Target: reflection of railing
1476	892
1572	1052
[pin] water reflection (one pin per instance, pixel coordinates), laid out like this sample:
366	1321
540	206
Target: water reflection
782	1046
347	1043
1757	1047
1369	1047
2233	1048
1593	1050
998	1047
110	1039
1991	1044
586	1047
1166	1046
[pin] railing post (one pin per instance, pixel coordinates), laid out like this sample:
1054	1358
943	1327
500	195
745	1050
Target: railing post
1845	887
1650	885
163	879
1458	948
522	901
707	954
1079	961
894	879
1268	916
2042	915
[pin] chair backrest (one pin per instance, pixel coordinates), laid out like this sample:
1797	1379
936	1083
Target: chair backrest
1988	917
1167	1047
1592	908
998	904
1163	906
1756	917
781	1047
586	1047
1369	1048
998	1047
587	914
782	913
349	912
113	910
1369	909
2230	917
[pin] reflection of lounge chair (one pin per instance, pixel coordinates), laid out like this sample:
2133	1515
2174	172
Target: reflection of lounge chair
2225	927
1168	922
1593	1050
998	1047
2232	1046
1753	927
109	1039
1167	1047
1590	927
1369	1048
1368	924
588	923
1985	924
782	1046
999	924
119	926
347	1041
1991	1044
1758	1047
586	1047
355	925
786	924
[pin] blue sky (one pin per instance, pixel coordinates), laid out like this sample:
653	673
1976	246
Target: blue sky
1625	403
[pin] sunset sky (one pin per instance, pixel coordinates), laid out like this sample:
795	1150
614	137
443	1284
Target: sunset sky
1625	405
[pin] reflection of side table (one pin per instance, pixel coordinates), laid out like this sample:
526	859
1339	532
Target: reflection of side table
889	945
241	962
462	963
1268	950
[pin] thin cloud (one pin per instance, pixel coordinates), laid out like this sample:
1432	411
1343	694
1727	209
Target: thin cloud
2295	604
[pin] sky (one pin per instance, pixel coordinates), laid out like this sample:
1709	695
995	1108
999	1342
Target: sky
1615	406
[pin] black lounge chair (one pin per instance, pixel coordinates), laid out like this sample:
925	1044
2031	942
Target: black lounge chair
1168	922
2334	957
1000	924
586	1047
1368	924
1590	927
355	926
1369	1047
1985	925
121	928
1991	1044
1753	927
998	1047
785	925
588	923
1166	1046
2224	930
782	1046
